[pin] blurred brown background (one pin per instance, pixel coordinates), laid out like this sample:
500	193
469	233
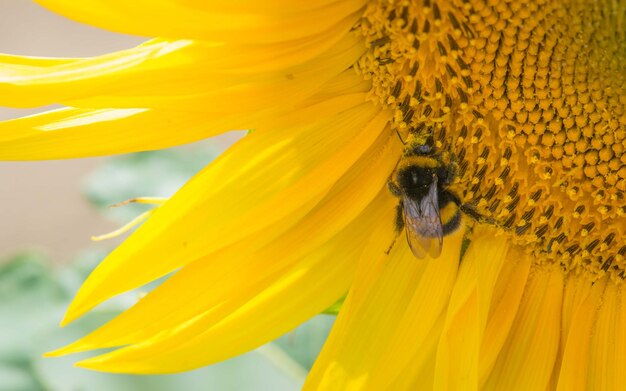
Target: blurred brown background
41	205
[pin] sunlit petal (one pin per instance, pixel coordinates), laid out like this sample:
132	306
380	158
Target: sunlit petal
607	353
212	79
220	277
577	342
458	353
225	24
217	208
392	296
301	290
527	358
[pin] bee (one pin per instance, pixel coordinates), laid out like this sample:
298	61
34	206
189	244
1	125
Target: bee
428	208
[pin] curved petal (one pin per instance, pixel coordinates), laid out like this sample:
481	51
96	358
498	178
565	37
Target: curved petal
458	352
478	316
575	292
288	169
506	297
393	298
217	280
574	365
168	71
229	94
302	290
167	18
272	6
607	353
182	75
71	133
30	82
527	358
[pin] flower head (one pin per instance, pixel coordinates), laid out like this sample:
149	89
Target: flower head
526	97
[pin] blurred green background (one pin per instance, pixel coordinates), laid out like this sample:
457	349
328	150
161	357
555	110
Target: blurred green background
34	292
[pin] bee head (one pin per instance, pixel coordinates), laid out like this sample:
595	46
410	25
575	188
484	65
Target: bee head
423	148
415	181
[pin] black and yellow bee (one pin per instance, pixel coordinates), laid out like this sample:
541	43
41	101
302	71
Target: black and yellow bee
429	208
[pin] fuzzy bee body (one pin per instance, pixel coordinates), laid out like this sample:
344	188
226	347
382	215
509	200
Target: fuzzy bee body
428	208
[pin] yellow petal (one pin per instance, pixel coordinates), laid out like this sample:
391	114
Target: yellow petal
576	345
458	349
527	358
607	353
152	18
71	133
301	290
273	6
575	292
422	377
384	326
29	82
258	182
505	300
160	73
219	280
460	342
229	94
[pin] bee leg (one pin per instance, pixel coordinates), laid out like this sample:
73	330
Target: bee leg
388	250
473	213
449	174
395	190
470	211
399	226
400	137
399	218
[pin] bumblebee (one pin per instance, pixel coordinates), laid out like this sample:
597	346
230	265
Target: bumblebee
428	209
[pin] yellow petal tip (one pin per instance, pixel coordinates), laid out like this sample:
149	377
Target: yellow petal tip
54	353
67	319
74	347
73	312
98	363
85	364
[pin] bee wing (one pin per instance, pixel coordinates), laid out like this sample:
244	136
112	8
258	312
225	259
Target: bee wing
424	231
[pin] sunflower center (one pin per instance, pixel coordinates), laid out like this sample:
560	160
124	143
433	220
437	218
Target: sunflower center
530	97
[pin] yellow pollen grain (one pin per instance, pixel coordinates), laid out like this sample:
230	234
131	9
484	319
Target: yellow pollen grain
538	84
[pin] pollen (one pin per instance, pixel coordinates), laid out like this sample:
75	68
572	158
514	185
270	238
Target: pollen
530	98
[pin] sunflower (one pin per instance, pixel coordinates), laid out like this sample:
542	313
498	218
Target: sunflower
528	96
